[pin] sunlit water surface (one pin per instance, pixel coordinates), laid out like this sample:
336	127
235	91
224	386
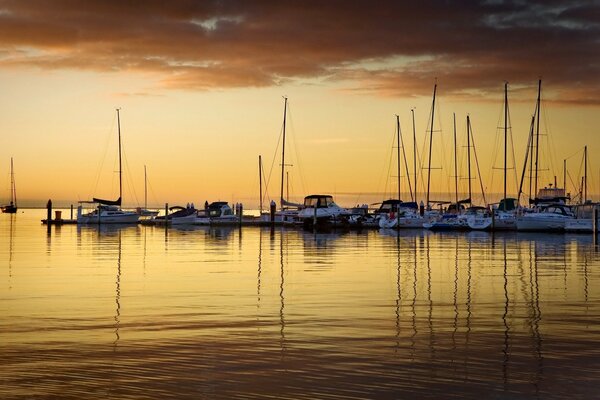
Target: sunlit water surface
138	312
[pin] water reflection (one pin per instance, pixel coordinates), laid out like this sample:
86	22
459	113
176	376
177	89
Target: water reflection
289	314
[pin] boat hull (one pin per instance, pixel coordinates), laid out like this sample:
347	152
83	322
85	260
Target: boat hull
109	219
532	223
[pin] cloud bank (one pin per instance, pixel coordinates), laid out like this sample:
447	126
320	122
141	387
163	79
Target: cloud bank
385	48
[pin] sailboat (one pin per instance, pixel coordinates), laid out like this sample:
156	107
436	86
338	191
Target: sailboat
11	207
550	213
108	211
288	213
453	219
394	213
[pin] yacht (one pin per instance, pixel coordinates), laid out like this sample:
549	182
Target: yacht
218	212
546	218
179	216
322	210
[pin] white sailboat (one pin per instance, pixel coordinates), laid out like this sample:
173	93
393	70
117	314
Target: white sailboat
11	207
288	212
108	211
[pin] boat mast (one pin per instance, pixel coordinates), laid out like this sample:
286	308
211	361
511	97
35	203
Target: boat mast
505	138
584	174
565	175
283	150
477	163
527	159
13	192
455	166
412	110
145	189
469	157
260	182
401	141
430	139
120	166
537	137
398	153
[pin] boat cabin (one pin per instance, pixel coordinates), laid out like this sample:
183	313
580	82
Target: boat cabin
318	201
219	209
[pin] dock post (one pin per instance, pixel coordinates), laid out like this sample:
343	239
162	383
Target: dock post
272	212
595	225
241	212
49	214
166	216
71	211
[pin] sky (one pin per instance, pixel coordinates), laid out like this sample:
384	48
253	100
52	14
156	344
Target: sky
200	87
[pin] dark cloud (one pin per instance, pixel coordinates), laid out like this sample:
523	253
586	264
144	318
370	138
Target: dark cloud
389	48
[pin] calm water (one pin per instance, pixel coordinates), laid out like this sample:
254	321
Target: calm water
223	313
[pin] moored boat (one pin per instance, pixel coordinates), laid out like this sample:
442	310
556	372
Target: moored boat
108	211
321	211
545	218
11	207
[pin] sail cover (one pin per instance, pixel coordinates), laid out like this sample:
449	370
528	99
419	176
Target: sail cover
108	202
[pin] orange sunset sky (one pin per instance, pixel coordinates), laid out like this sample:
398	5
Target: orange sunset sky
200	86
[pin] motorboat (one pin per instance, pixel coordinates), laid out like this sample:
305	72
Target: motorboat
546	218
402	215
218	212
321	210
179	216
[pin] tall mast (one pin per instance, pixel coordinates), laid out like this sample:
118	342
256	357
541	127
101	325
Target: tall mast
585	174
120	167
565	175
283	150
398	153
469	157
145	189
527	159
401	141
260	181
12	183
537	137
455	166
430	139
412	110
505	138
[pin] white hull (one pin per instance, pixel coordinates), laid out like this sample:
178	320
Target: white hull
532	222
125	218
581	225
479	223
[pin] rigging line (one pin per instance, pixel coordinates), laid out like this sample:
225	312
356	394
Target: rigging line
478	169
575	154
299	162
388	161
153	193
274	159
512	146
129	178
107	141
